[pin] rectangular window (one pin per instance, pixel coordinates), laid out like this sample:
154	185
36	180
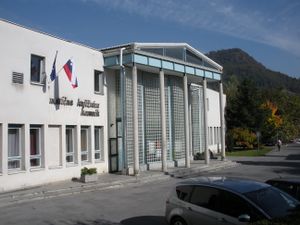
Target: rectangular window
14	147
210	136
1	147
37	69
207	104
35	146
70	138
98	82
215	135
98	143
84	144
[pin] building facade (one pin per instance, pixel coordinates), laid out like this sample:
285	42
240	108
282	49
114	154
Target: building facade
138	106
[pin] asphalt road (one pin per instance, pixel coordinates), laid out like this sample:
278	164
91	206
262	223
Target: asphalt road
284	163
142	204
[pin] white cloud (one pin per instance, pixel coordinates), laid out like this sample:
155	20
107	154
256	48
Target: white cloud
278	27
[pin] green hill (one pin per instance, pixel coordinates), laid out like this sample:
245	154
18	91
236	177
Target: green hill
238	63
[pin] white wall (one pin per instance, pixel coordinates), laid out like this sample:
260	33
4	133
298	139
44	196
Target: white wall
213	118
28	103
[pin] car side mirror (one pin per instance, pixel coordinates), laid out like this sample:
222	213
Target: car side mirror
244	218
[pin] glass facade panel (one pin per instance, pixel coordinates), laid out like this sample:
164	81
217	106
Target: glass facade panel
176	53
158	51
192	58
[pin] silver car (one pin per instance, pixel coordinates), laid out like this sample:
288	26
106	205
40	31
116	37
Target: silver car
221	200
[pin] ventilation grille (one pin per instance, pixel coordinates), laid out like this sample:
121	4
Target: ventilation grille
17	78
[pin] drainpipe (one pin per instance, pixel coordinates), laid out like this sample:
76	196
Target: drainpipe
123	110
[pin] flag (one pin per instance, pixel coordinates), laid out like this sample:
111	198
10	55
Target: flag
68	67
53	72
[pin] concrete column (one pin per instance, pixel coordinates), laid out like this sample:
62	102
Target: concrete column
63	150
190	126
186	122
222	121
44	145
163	121
92	144
207	156
26	147
123	152
135	121
78	144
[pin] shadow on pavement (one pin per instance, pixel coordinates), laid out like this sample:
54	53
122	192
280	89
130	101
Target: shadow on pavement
292	168
145	220
270	163
293	157
88	222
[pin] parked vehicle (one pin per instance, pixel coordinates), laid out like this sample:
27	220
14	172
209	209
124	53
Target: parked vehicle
221	200
288	185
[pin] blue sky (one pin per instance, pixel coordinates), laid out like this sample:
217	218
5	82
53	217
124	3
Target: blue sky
267	30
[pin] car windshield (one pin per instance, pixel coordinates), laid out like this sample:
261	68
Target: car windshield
274	202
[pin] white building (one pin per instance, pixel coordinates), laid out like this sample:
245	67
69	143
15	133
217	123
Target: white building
50	130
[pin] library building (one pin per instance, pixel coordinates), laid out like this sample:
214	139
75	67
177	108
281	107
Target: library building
121	109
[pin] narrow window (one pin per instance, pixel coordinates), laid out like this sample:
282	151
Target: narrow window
98	82
14	147
35	146
98	143
37	69
84	144
70	153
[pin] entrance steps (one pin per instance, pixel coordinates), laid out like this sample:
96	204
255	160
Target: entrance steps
200	168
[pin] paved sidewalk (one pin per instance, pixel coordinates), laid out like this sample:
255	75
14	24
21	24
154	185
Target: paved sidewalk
106	181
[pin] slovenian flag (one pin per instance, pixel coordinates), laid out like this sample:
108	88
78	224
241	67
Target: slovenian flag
53	72
68	67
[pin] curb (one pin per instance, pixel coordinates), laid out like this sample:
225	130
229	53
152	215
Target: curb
12	198
184	173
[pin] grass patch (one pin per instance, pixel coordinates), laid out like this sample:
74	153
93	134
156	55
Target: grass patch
260	152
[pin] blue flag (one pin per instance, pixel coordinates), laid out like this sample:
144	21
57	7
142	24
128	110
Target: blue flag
53	72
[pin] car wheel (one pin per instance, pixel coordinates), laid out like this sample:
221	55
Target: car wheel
178	221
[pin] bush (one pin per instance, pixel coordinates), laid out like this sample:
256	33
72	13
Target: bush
88	171
242	138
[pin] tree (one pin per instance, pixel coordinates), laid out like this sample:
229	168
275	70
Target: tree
243	110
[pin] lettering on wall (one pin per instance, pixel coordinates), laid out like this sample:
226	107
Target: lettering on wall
88	107
88	104
61	101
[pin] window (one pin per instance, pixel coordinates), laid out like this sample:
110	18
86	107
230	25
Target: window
37	69
35	146
176	53
272	201
14	147
158	51
99	82
205	197
207	104
224	202
84	144
98	143
70	138
1	147
184	192
192	58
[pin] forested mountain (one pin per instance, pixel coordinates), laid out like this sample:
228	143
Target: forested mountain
258	101
238	63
